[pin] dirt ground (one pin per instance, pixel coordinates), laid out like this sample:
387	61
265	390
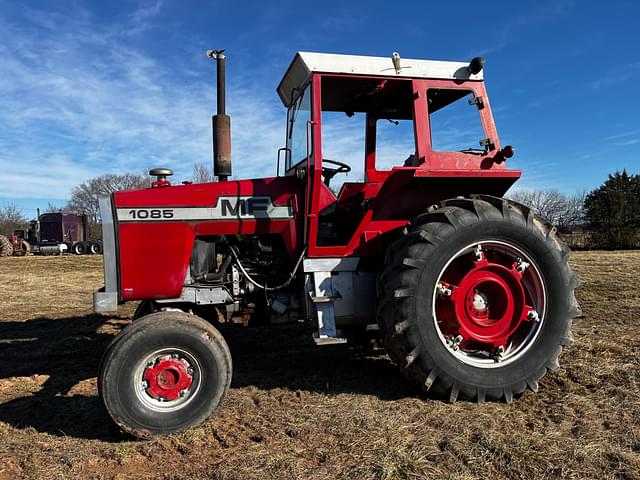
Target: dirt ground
300	411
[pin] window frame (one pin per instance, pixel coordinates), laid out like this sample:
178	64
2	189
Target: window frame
452	160
305	91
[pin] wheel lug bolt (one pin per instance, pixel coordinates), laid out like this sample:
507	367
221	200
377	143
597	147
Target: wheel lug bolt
477	252
521	265
533	315
443	291
454	342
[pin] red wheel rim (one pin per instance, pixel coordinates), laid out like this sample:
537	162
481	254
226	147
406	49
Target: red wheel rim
167	379
489	303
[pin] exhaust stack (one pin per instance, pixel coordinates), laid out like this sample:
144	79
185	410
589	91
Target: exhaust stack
221	123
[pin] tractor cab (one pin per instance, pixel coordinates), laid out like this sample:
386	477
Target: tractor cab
361	126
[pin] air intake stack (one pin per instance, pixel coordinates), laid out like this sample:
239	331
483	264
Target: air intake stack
221	123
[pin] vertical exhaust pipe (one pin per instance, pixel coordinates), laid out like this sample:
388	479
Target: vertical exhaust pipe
221	123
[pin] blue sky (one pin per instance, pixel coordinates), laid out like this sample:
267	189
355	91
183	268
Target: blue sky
88	88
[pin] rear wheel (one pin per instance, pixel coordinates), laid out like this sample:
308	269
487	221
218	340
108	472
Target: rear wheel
164	373
95	248
79	248
477	299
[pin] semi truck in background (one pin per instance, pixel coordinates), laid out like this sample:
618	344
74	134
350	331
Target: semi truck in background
54	233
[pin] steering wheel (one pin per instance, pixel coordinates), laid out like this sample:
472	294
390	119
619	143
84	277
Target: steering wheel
328	173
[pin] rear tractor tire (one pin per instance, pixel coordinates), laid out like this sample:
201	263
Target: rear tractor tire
477	299
164	373
6	248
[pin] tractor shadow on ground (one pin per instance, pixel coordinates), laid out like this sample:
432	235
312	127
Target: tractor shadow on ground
57	360
66	351
286	357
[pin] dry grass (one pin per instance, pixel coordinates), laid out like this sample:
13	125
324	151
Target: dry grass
298	411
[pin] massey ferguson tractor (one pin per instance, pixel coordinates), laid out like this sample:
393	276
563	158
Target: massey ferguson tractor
471	294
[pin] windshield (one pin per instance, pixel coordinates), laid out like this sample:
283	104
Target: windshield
299	115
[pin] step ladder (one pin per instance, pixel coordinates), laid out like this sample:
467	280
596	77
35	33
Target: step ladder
323	298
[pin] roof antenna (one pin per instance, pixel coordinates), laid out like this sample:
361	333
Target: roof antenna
395	58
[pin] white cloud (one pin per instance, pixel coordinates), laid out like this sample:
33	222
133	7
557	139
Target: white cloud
623	135
91	103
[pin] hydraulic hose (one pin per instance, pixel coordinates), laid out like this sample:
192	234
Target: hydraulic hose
216	276
265	287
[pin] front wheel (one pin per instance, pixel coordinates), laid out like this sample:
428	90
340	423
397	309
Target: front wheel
164	373
477	299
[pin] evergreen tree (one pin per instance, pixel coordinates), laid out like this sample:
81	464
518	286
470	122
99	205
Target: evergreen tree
613	211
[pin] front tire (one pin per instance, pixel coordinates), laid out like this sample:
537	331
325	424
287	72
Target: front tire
164	373
477	299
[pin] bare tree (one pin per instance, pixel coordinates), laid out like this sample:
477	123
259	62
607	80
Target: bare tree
51	208
565	212
572	215
11	218
84	197
202	173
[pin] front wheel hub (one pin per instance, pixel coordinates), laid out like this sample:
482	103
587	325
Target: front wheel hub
168	379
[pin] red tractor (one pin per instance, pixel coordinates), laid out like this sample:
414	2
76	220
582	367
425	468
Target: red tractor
471	294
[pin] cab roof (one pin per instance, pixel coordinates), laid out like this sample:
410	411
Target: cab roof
306	63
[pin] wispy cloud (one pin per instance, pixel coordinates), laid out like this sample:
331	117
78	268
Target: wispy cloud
93	103
627	143
624	139
542	12
620	74
623	134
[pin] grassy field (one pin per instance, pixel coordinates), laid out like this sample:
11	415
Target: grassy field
300	411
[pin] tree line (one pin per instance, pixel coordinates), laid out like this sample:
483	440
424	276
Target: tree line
608	217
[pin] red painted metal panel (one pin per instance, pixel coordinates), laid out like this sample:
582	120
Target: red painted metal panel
154	255
154	259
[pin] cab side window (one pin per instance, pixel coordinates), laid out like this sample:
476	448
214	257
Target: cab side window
454	119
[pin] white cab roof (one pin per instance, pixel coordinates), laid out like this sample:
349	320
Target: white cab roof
306	63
